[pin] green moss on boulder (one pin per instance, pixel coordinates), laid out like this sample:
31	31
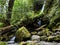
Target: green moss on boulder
22	33
2	43
45	32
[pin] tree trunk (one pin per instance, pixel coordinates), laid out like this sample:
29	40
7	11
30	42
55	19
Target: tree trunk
11	3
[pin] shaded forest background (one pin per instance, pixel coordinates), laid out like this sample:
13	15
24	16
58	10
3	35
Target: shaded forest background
18	13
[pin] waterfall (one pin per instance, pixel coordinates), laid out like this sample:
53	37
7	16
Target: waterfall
12	40
43	7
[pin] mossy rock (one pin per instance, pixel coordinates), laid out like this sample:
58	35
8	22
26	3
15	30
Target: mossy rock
23	43
54	38
43	38
2	43
34	33
1	24
28	43
50	38
57	38
22	33
45	32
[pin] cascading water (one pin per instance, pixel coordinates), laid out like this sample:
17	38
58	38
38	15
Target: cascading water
12	40
43	7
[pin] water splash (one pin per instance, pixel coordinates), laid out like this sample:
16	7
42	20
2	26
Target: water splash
43	7
12	40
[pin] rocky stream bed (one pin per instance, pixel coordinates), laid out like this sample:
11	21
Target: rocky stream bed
42	36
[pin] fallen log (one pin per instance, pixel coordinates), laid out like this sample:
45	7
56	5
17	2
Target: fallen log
40	27
7	32
6	28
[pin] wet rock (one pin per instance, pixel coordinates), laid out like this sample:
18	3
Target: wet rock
56	29
54	38
31	42
22	33
47	43
28	43
56	33
2	43
23	43
35	38
57	38
13	44
43	38
50	38
58	44
40	33
45	32
34	33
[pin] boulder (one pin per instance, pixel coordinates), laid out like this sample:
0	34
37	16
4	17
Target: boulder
45	32
34	33
22	33
54	38
43	38
35	38
32	43
2	43
28	43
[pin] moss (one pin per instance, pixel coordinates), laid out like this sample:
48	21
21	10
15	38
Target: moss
22	33
57	38
50	38
28	43
1	24
2	43
34	33
45	32
53	38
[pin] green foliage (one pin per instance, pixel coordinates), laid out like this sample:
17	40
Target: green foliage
2	2
1	24
3	9
53	14
55	18
21	9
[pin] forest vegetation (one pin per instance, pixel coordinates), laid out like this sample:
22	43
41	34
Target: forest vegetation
25	18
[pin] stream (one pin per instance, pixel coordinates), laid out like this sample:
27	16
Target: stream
41	43
12	42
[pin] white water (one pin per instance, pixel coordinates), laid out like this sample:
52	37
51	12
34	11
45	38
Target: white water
43	7
12	40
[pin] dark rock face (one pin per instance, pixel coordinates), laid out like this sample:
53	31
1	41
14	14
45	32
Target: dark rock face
38	5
